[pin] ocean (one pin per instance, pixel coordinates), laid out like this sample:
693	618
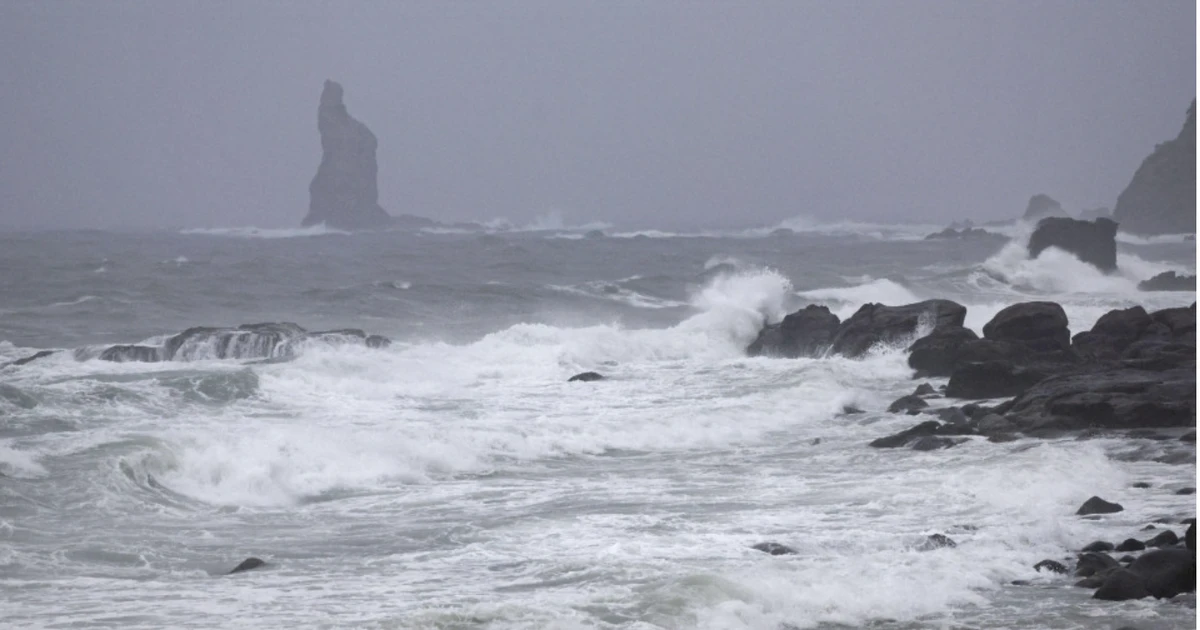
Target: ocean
455	479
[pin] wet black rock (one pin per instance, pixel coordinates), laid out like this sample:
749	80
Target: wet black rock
41	354
1050	565
926	436
1110	396
1092	563
586	377
937	541
131	353
1096	505
934	443
924	389
992	379
1165	538
1141	485
1038	326
1093	242
848	410
1168	281
1131	544
936	354
774	548
1100	545
907	404
809	332
1184	491
247	564
1121	585
875	324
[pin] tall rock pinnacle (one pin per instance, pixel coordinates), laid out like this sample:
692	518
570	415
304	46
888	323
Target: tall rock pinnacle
344	193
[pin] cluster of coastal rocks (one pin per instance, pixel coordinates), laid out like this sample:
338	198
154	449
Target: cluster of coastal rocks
1132	370
269	341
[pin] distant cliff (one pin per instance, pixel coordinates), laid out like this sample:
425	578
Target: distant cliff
1161	199
344	193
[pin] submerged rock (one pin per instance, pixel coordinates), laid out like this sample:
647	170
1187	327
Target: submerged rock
1096	505
41	354
1093	242
907	404
282	340
123	354
774	548
586	377
937	541
1052	566
1168	281
247	564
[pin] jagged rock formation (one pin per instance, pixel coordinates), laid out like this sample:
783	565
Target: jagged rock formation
251	341
1168	281
1093	242
815	332
344	193
1042	206
1161	199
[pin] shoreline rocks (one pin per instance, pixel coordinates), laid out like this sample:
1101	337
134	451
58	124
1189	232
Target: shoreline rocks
1168	281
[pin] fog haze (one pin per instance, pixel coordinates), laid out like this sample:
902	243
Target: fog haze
200	114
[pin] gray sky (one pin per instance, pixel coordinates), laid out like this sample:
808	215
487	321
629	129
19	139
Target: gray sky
203	114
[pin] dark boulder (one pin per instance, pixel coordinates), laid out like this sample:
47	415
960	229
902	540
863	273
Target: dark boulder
806	333
1167	572
1110	397
1039	326
1131	544
247	564
586	377
130	354
1165	538
937	541
774	548
1052	566
924	389
875	324
1093	242
1186	491
1121	585
1096	505
934	443
1168	281
903	438
906	404
1181	321
992	379
1092	563
1115	331
1141	485
936	353
1099	545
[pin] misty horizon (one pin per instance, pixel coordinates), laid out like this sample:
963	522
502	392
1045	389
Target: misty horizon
189	115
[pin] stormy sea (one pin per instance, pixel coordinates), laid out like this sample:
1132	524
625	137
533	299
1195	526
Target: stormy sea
454	478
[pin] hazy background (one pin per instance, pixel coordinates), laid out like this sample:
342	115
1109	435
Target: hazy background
203	114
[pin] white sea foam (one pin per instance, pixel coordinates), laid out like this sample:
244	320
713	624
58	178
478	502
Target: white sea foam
271	233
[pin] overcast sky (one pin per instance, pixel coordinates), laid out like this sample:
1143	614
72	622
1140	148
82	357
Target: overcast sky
203	114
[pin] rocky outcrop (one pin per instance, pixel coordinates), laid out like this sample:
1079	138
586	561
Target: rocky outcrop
586	377
344	194
1042	206
876	324
1038	326
806	333
1168	281
967	234
1161	198
251	341
1093	242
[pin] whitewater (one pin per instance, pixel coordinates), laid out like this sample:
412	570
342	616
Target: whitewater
455	479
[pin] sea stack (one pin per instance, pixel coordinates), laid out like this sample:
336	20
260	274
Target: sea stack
1161	199
1093	242
344	193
